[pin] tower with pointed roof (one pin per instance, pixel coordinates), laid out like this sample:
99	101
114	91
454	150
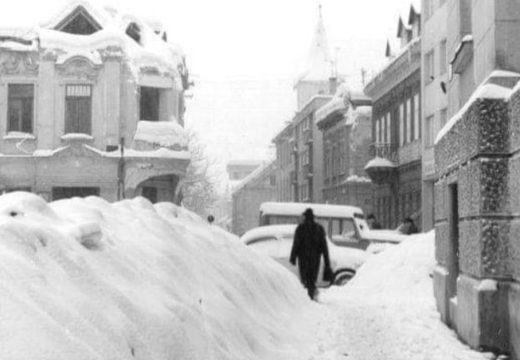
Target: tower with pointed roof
319	69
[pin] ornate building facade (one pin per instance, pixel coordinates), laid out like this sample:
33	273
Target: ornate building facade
346	126
92	103
395	168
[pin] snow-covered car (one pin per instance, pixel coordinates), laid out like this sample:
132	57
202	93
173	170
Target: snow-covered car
345	224
276	241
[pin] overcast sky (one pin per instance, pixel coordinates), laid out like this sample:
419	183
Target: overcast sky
245	54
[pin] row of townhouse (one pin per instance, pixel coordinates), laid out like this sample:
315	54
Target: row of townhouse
92	103
357	146
443	146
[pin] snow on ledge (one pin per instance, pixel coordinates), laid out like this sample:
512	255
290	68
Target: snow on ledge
379	162
77	137
164	133
485	91
358	179
17	135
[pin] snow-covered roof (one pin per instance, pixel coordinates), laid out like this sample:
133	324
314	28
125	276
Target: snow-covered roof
379	162
320	210
485	91
253	175
151	51
169	134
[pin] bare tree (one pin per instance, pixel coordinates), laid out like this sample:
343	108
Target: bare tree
199	187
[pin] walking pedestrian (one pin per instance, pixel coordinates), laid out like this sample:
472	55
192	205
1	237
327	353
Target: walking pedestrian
308	247
211	218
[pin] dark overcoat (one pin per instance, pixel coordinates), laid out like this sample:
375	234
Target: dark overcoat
308	247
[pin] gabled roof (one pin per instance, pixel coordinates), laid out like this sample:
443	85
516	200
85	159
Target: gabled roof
388	50
401	28
98	17
413	16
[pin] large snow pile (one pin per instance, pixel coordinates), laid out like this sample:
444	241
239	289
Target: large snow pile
86	279
388	310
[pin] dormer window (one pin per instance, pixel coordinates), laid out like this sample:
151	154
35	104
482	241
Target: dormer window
79	22
134	31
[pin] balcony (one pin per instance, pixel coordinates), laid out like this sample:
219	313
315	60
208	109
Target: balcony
382	168
387	151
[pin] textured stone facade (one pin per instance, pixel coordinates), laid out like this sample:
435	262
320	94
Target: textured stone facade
477	224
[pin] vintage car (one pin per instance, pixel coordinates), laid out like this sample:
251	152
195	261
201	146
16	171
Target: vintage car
276	242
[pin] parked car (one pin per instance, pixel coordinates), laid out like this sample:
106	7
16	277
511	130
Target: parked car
276	241
345	225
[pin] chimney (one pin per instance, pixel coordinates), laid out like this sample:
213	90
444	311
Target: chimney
333	85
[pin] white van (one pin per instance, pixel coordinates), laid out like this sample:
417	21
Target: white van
345	225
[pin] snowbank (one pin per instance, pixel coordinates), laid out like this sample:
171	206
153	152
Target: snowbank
388	310
86	279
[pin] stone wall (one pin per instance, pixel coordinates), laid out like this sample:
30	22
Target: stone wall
476	280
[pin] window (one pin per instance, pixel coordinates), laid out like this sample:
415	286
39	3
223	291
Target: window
443	61
428	8
20	107
417	117
272	180
387	121
78	109
444	116
409	120
149	103
134	32
378	126
429	71
401	124
430	131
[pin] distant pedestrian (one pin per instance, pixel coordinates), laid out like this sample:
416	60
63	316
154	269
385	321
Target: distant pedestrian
211	218
408	227
372	222
308	246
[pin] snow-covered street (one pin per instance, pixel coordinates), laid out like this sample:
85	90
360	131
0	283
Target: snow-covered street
388	312
134	281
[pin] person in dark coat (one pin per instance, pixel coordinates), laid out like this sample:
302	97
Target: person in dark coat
372	222
308	246
408	227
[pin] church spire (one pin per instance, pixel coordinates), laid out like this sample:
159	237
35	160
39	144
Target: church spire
319	64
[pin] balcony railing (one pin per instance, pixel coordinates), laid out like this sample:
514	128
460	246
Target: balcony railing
385	151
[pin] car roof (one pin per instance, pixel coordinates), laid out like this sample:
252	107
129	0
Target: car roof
320	210
268	230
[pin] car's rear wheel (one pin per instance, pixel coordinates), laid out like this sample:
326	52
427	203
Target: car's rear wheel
342	277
